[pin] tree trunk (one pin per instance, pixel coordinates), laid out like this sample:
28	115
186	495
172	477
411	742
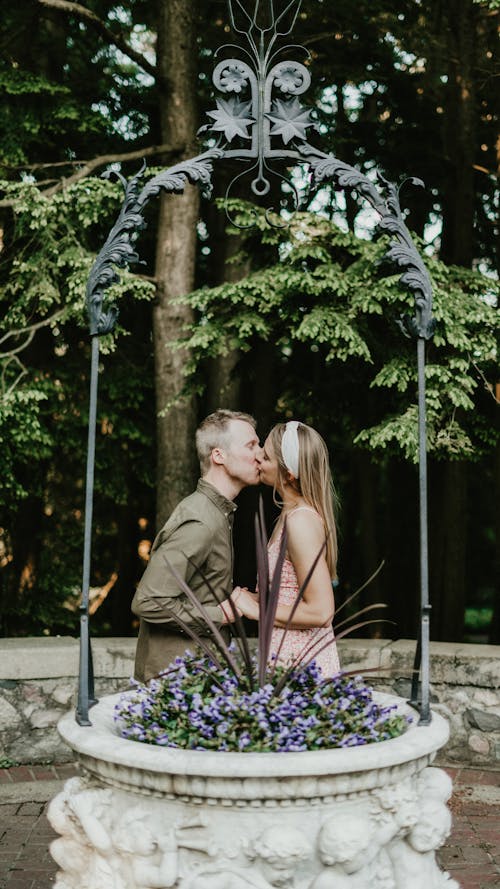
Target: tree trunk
175	256
224	385
459	132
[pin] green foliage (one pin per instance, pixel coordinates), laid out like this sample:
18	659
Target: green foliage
21	432
44	368
326	292
42	288
68	95
35	110
478	619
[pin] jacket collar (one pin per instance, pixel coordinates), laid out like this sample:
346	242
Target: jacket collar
226	506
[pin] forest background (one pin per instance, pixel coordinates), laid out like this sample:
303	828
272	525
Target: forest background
292	322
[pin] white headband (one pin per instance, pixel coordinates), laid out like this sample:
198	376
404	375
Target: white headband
290	447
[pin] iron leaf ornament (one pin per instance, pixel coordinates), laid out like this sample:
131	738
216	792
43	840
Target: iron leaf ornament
258	103
232	118
197	171
402	251
326	167
118	250
289	120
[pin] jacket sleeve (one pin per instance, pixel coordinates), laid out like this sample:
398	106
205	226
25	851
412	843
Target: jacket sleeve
158	596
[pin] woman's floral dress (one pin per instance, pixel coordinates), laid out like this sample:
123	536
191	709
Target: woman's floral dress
307	644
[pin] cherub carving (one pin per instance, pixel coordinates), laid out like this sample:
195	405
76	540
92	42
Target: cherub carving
275	855
106	846
149	849
79	813
413	859
436	783
396	812
347	849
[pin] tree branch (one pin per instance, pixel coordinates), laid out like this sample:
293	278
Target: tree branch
22	373
30	330
17	349
89	166
86	15
86	168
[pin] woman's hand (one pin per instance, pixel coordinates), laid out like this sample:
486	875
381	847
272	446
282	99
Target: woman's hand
246	602
229	609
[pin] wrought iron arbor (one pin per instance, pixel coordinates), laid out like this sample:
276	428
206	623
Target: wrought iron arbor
259	121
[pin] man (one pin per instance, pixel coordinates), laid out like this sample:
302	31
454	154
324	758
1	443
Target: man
199	529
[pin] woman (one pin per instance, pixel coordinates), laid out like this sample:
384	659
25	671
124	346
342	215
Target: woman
295	462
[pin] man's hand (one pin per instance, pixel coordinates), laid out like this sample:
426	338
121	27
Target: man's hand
247	602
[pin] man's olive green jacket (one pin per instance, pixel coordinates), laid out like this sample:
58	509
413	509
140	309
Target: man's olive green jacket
200	529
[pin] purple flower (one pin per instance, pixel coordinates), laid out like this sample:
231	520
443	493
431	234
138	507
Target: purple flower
196	705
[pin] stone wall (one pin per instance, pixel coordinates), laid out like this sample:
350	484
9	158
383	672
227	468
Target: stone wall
465	688
38	678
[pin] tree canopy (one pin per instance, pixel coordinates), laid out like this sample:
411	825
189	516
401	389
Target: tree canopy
300	320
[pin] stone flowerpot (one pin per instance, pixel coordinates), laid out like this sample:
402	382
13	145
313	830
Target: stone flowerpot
145	817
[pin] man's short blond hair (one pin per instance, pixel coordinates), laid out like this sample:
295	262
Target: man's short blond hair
214	432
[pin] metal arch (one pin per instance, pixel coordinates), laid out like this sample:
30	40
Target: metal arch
251	110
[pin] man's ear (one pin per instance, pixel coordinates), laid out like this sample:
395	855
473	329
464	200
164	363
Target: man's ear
218	456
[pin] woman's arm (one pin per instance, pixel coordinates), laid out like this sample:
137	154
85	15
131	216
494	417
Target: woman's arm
306	537
316	608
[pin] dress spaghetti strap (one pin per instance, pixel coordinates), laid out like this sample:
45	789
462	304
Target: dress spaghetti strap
309	508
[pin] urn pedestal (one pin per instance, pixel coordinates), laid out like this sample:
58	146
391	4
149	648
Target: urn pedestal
144	817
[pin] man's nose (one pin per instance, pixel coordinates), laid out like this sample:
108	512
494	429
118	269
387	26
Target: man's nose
259	454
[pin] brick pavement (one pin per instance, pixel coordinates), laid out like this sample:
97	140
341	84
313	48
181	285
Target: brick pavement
472	852
471	855
25	833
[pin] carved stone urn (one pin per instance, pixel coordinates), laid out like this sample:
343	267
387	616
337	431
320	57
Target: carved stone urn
147	817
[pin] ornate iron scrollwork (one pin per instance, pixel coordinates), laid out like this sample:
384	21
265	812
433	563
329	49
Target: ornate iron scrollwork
118	251
402	250
258	104
259	101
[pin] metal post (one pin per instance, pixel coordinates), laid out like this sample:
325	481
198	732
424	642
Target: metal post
422	653
86	696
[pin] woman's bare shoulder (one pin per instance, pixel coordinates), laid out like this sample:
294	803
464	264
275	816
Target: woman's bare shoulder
305	525
302	516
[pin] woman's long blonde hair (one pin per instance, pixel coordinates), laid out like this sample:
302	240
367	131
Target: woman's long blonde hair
315	482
